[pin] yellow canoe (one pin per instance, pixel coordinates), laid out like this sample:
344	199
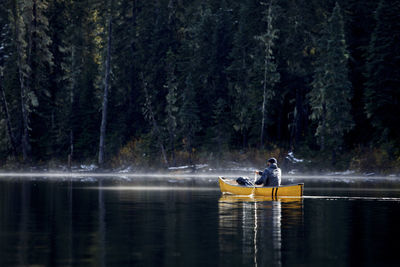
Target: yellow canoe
229	186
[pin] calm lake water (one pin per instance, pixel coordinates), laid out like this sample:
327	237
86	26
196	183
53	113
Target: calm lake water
187	222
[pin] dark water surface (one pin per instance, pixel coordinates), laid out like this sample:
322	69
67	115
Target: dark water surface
184	222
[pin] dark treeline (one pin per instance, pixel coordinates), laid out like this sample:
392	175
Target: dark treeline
168	80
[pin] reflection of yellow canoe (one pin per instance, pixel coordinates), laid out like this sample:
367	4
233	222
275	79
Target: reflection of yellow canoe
250	198
231	187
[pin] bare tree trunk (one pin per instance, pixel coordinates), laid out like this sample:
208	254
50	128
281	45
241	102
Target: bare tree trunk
263	105
26	148
106	90
71	129
8	121
75	66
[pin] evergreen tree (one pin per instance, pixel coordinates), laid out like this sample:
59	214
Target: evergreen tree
5	54
241	74
331	89
127	95
171	108
34	59
189	118
360	24
156	132
382	93
270	76
152	44
41	64
212	43
21	23
88	48
298	25
221	131
70	24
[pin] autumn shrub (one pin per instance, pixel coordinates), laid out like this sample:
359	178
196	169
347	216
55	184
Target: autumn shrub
134	153
366	159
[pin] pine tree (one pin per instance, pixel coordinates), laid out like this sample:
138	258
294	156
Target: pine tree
271	76
331	89
212	42
70	24
89	46
382	93
5	53
171	108
148	111
125	101
30	26
221	133
296	49
41	63
189	118
241	74
24	70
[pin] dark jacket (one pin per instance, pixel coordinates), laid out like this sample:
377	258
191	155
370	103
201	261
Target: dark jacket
271	176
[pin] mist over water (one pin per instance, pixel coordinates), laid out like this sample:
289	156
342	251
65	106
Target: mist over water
350	184
200	175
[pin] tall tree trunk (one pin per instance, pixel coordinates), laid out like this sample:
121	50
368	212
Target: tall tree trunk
71	119
26	148
106	90
263	106
76	67
8	120
71	127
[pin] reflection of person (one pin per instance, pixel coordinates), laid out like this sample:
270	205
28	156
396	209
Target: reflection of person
271	176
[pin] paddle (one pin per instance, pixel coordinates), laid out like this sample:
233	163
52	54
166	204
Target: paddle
254	183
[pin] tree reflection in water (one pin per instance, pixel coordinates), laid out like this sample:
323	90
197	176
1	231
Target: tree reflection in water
257	223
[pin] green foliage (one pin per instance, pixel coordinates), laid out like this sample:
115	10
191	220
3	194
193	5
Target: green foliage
269	66
188	115
382	93
220	131
331	89
241	78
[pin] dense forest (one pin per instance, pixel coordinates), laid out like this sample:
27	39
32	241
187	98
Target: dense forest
167	82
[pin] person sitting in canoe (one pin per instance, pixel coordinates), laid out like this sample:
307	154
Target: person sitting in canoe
271	176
